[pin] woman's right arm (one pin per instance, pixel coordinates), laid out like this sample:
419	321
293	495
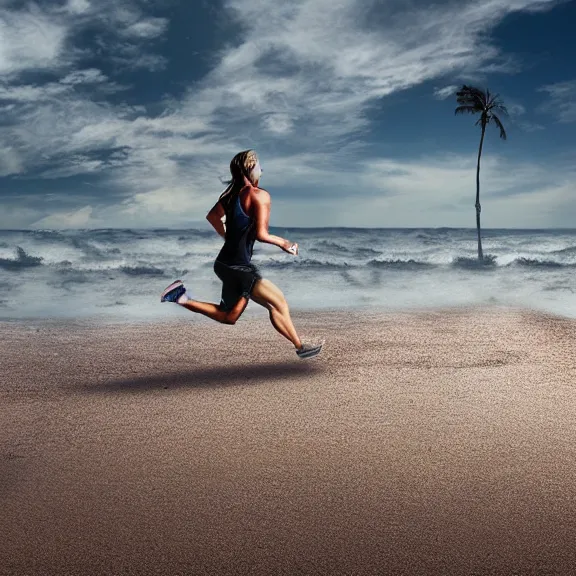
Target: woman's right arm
262	213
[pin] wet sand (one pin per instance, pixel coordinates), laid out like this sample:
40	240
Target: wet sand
416	443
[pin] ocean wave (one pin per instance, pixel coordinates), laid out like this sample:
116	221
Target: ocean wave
400	264
66	267
430	238
367	252
47	241
324	246
67	277
112	231
558	288
47	234
121	234
333	247
22	260
564	251
489	262
194	233
432	241
75	279
307	263
535	263
117	235
89	249
142	271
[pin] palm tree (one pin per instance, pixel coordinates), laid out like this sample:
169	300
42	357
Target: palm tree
475	101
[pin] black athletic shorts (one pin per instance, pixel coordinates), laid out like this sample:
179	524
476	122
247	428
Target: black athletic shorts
237	282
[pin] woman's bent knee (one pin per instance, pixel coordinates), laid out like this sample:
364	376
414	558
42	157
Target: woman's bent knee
232	316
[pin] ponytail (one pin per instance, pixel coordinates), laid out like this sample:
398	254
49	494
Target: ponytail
240	167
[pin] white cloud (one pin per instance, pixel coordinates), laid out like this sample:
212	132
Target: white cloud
17	215
30	39
277	123
166	204
10	161
74	166
530	126
88	76
446	92
42	37
64	220
313	69
78	6
147	28
562	100
515	109
517	117
25	94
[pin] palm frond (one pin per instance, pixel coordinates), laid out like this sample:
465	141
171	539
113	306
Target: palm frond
479	96
473	90
471	96
472	100
468	109
471	103
498	123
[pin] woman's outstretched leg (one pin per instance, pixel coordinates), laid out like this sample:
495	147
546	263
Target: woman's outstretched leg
177	293
271	297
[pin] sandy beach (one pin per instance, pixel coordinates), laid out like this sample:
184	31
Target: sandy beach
416	443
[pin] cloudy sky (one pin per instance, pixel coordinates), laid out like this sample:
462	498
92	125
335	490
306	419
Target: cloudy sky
126	113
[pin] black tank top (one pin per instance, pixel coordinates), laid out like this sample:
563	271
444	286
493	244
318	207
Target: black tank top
240	236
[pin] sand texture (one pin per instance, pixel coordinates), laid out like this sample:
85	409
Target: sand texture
417	443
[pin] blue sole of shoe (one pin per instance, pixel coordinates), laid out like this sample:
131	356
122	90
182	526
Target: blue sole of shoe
169	289
310	353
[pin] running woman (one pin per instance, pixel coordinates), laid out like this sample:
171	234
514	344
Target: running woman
247	211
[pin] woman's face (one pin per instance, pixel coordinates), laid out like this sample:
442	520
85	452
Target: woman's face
256	173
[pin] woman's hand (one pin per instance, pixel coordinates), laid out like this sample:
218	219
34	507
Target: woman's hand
291	248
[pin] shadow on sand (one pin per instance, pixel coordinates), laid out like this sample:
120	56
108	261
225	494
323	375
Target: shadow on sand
214	377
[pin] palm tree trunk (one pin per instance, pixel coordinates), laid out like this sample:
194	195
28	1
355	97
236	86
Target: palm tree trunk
478	208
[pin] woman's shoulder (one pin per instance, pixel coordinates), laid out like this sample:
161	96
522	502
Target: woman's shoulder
260	193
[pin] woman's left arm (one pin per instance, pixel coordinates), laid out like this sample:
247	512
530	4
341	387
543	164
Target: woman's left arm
215	218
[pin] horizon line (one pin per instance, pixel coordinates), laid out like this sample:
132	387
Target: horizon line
205	227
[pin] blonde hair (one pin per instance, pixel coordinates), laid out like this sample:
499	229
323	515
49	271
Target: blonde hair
241	166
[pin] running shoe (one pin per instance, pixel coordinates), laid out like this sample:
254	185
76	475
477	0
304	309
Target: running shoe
173	292
309	350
